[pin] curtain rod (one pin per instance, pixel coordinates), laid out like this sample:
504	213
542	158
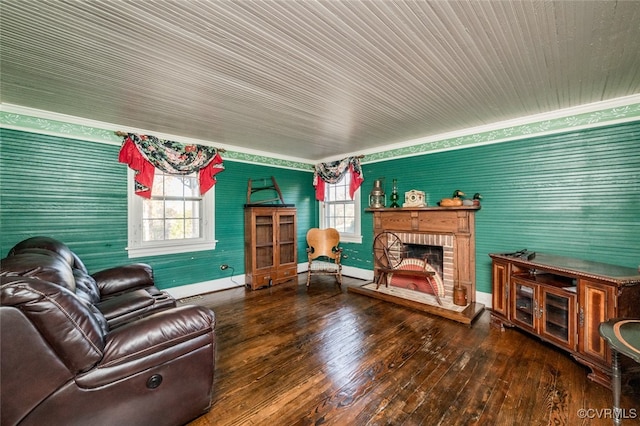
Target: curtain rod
123	134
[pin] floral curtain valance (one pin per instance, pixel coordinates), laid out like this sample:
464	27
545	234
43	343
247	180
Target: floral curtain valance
333	171
143	153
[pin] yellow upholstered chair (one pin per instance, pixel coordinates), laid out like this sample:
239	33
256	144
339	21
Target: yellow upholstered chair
324	254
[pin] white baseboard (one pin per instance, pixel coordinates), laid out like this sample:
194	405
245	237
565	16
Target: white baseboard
190	290
363	274
484	298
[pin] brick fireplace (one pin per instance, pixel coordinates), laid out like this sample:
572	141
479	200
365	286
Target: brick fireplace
453	229
420	245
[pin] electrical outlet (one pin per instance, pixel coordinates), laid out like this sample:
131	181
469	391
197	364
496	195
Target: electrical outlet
223	266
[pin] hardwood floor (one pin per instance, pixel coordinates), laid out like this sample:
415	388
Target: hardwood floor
291	356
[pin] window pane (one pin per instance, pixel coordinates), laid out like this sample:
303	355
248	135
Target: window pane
349	210
174	229
191	186
152	230
330	192
173	186
174	209
153	209
192	209
158	184
169	215
349	226
191	228
331	210
339	194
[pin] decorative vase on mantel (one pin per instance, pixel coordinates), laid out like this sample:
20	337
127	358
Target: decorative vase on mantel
394	195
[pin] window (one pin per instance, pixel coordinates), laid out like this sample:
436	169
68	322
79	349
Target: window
176	219
339	211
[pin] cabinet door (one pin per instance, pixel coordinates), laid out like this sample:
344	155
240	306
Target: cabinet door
524	310
500	297
264	240
286	238
558	316
597	304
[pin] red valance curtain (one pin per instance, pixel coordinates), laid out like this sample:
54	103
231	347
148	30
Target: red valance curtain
143	153
333	171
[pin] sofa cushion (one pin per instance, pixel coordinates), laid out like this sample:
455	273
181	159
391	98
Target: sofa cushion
40	264
151	341
86	287
50	244
133	301
64	321
119	279
31	369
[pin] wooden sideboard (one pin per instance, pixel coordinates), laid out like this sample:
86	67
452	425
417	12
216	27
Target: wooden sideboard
563	300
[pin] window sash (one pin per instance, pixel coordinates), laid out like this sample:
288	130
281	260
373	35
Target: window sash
336	196
139	247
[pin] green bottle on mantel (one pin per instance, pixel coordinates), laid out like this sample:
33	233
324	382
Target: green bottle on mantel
394	195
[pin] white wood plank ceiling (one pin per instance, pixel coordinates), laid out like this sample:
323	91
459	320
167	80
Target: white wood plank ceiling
315	79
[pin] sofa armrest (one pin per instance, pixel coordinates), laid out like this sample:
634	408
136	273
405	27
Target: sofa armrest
151	341
123	278
123	304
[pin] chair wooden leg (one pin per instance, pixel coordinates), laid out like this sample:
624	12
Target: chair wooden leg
308	277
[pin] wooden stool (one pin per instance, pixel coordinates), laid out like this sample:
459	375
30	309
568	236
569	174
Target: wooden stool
623	336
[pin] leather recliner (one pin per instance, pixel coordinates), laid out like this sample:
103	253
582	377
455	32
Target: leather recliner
102	349
121	293
63	365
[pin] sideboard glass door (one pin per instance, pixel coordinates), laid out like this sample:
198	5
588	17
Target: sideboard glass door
558	316
525	304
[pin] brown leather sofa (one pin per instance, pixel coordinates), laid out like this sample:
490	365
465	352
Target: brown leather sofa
121	293
84	349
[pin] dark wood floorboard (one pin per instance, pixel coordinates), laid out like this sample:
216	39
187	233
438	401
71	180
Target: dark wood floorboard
288	355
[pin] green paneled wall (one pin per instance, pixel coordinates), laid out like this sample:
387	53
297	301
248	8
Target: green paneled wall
76	191
68	189
574	194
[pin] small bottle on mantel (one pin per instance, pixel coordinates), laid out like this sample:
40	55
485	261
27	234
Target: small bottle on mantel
394	195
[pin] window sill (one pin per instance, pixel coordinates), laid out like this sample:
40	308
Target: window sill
351	238
174	248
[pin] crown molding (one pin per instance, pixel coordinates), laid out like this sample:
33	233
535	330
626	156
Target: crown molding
615	111
17	117
598	114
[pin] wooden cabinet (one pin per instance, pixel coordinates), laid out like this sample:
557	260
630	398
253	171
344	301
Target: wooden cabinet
563	301
270	245
546	307
597	305
500	296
